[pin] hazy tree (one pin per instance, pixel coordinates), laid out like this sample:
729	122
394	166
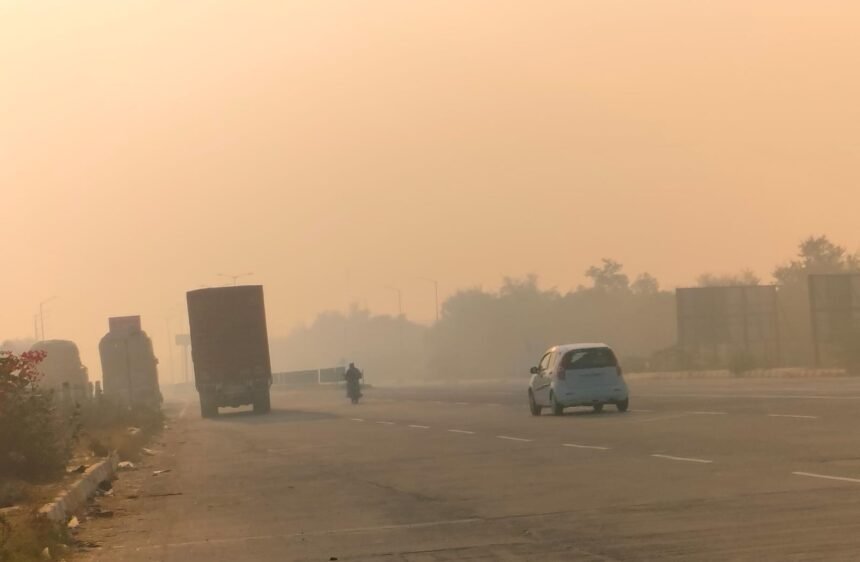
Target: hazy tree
742	278
386	347
609	276
18	346
816	255
645	284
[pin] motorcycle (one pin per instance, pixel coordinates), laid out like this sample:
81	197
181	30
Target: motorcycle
353	390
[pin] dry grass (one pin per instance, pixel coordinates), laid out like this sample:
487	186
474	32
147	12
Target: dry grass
23	537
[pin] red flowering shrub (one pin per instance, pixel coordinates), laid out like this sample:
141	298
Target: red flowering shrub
34	439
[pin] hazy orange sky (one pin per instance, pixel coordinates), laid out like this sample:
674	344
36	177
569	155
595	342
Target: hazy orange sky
146	146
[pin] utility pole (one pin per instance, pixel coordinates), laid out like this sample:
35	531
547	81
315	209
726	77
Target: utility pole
42	315
170	349
235	278
399	324
436	289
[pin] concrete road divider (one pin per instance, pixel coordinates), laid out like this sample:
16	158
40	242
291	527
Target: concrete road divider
75	496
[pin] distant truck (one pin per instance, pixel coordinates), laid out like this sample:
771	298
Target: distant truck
62	367
230	348
129	365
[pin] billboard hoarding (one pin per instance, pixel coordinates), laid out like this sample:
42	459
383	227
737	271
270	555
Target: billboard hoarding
716	325
834	301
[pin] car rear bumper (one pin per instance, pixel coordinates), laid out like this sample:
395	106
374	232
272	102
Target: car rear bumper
607	396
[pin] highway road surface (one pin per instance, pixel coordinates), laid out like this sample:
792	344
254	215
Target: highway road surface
723	469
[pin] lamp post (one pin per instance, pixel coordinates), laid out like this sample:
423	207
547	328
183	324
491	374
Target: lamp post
236	278
42	315
399	299
399	324
436	292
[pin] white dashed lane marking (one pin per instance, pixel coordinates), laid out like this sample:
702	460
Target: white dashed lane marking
385	423
357	419
682	459
461	431
797	416
826	477
420	426
575	446
508	438
708	413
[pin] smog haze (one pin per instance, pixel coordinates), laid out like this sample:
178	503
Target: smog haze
336	149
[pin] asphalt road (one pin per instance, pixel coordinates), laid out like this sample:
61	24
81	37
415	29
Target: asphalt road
697	470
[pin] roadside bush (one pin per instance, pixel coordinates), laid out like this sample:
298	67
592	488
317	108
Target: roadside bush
107	425
35	439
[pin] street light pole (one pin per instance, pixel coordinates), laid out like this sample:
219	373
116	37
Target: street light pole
42	315
236	278
436	289
399	299
170	350
399	325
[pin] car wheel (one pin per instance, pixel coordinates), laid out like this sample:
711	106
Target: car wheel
533	407
598	408
557	409
623	405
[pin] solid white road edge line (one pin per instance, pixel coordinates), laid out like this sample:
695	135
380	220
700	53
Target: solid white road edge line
826	477
683	459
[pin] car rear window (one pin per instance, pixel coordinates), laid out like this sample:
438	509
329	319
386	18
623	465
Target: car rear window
596	358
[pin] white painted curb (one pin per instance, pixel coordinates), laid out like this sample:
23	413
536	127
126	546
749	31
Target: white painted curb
75	496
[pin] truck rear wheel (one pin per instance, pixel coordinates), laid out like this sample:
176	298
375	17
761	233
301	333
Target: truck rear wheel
262	402
208	406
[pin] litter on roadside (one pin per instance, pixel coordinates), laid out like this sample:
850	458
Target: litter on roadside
133	430
73	523
147	452
157	472
126	465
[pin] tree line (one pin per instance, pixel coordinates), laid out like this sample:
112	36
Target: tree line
500	334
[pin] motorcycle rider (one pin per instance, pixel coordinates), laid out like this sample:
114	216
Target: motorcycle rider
353	376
